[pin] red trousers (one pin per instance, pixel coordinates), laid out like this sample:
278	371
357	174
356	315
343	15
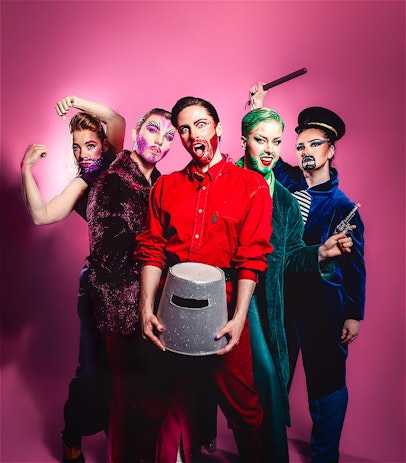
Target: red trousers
231	375
155	390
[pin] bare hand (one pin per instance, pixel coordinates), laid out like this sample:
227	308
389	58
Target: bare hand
232	330
33	153
336	245
63	106
150	324
350	331
257	95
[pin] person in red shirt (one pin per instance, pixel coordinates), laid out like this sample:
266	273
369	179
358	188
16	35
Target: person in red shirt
215	213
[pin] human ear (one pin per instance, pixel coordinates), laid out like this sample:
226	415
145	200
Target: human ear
243	142
219	129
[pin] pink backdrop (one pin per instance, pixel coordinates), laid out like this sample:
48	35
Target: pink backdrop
135	55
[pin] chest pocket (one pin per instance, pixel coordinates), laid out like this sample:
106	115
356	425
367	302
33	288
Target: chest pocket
226	224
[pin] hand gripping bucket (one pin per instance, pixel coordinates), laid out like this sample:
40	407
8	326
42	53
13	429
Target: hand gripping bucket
193	308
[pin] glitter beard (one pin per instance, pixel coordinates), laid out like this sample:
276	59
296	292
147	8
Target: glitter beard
308	162
90	165
214	143
210	149
153	153
164	153
254	164
140	144
152	156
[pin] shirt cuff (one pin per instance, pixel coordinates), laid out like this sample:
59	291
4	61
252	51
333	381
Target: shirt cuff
327	269
153	264
247	274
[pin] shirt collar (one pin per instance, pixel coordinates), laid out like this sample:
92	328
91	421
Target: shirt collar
197	174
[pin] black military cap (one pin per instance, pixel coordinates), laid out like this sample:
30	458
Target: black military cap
323	119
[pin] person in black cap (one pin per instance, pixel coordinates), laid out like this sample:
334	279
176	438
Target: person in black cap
322	317
319	121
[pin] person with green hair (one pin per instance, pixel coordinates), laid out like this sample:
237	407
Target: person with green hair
261	139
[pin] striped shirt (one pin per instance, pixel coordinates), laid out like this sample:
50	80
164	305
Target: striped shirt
304	199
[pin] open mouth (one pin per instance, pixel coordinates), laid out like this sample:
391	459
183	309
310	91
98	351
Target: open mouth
199	149
266	160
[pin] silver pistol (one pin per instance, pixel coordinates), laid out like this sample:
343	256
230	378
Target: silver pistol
345	225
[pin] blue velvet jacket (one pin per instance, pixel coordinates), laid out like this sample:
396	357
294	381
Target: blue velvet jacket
344	294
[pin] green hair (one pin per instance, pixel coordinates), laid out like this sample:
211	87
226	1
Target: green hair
256	116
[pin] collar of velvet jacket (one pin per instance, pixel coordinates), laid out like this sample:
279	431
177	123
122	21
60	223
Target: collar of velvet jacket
130	170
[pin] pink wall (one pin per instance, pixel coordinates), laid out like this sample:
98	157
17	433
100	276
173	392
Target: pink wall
135	55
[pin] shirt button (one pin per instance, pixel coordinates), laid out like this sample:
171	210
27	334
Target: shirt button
203	187
200	211
196	236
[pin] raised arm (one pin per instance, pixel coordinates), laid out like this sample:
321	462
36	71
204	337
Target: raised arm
115	123
257	95
61	205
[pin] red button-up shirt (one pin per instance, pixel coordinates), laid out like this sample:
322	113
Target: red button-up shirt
220	218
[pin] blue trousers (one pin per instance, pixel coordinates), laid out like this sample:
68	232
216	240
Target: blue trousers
316	332
328	419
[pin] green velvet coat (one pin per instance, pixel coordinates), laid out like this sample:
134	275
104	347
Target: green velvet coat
266	317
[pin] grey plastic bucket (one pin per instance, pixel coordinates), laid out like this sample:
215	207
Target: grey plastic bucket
193	308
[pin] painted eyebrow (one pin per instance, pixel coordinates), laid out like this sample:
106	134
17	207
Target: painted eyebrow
154	124
259	137
86	142
311	141
203	119
263	137
194	123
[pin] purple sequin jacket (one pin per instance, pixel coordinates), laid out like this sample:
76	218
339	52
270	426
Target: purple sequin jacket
116	212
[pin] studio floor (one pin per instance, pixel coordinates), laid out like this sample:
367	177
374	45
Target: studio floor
30	436
32	420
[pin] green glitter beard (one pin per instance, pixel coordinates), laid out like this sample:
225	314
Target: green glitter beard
266	172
